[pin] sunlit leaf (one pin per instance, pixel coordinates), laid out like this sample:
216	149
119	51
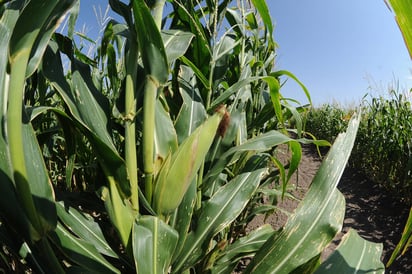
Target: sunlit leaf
354	255
176	43
150	42
153	245
403	16
404	241
173	182
220	210
318	218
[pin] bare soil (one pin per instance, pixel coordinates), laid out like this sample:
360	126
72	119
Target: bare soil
370	210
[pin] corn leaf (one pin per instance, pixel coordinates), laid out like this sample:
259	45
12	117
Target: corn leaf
403	16
150	42
404	241
354	255
182	217
292	76
40	185
17	217
196	70
119	211
84	227
260	143
318	217
176	43
192	113
30	28
263	10
30	33
220	210
153	245
243	247
165	134
82	252
46	33
173	181
271	81
88	112
7	22
296	150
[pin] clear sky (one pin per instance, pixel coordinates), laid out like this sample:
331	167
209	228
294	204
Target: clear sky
340	50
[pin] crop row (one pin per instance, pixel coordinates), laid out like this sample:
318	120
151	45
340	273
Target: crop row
383	147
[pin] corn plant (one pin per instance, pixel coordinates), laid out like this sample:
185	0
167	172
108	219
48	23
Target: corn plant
403	12
183	144
384	146
327	121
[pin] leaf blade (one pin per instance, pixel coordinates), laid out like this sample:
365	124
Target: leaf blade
354	255
153	244
320	213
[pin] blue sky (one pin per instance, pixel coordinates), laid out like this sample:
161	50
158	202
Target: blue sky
340	50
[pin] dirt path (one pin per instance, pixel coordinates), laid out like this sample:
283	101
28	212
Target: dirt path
369	210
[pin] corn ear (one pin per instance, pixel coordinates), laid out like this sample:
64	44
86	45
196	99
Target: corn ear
175	176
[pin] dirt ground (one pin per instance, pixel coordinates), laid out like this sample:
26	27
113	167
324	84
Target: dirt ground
369	210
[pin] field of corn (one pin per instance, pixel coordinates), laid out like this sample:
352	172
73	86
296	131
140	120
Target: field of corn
149	155
383	146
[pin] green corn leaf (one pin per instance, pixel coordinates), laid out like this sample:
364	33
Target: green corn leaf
90	116
7	22
296	115
197	71
40	185
173	181
30	33
88	112
176	43
28	27
236	87
260	143
319	216
280	73
288	250
403	16
404	241
192	113
218	212
296	150
150	42
17	217
165	134
94	108
119	211
221	54
153	245
182	217
263	10
354	255
245	246
84	227
45	35
82	252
